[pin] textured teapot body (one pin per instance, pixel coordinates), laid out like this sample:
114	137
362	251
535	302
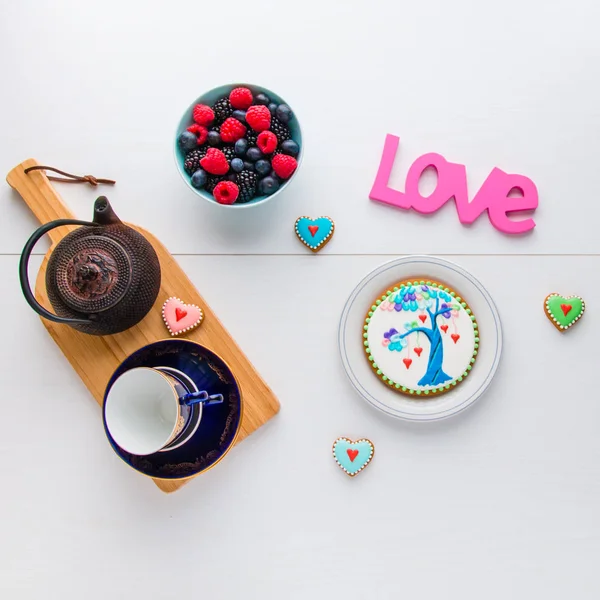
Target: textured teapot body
101	278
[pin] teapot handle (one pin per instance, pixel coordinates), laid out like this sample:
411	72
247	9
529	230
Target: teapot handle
24	278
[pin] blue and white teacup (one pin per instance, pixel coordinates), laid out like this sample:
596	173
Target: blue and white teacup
147	409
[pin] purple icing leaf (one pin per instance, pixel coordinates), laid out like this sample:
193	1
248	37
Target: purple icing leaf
388	334
398	307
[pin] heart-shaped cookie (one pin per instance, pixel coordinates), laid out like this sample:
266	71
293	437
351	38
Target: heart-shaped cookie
180	317
564	311
353	457
314	233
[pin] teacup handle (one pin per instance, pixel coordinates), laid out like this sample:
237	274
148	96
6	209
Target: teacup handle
203	397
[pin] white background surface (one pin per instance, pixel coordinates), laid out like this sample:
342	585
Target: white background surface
500	502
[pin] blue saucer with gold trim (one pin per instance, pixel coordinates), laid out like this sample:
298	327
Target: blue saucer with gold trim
218	424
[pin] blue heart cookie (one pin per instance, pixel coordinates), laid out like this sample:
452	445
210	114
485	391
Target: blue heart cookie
353	457
314	233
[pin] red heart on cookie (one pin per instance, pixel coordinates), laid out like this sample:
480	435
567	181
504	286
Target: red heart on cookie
352	454
180	317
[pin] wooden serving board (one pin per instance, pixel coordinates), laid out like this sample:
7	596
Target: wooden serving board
96	358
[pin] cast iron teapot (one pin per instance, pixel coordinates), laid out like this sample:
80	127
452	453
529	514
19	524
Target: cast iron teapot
101	278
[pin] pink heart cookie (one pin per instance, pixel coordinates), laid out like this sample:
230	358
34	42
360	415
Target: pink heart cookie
180	317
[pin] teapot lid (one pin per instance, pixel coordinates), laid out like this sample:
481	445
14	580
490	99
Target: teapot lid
92	272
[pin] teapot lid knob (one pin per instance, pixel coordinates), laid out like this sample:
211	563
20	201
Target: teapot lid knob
92	273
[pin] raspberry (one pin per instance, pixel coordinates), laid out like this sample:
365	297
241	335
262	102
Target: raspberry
215	162
240	98
283	165
258	117
203	115
200	131
267	142
232	130
226	192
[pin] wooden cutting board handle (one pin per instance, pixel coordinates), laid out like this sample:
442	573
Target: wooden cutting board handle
37	191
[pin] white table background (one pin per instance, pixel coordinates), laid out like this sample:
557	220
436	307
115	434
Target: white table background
500	502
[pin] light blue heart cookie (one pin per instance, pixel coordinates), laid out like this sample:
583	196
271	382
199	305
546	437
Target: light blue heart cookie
314	233
353	457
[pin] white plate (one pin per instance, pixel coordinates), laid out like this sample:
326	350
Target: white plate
358	369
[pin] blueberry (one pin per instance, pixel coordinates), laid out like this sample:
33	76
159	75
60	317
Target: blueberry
273	108
262	99
240	115
254	154
263	167
267	186
283	113
237	164
199	179
248	166
188	141
290	147
214	138
241	146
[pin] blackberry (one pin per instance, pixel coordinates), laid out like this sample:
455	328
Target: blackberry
251	136
246	181
222	110
281	130
229	152
192	159
211	182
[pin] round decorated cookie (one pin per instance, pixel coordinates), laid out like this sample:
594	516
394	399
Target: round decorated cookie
421	338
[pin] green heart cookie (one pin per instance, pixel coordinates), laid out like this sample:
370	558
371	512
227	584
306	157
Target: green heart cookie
563	311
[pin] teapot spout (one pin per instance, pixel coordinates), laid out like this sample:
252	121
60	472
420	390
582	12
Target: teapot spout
103	212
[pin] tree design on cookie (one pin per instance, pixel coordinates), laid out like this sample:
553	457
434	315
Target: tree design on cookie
421	338
435	303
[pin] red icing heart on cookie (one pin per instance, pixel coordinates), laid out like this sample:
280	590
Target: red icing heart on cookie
444	328
180	317
455	337
313	229
423	318
407	362
418	351
352	454
566	308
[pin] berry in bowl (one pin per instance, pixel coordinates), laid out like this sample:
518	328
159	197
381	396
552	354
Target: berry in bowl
238	145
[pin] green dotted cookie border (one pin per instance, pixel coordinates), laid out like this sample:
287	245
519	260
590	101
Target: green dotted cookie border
402	388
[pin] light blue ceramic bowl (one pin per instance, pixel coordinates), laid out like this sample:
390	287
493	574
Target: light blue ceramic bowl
210	98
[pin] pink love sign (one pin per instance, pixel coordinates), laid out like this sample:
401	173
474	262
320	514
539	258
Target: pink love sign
493	195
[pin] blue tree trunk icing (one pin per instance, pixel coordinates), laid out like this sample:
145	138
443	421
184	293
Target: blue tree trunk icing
435	374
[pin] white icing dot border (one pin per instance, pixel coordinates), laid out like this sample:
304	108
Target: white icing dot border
321	244
428	392
345	439
553	320
193	326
